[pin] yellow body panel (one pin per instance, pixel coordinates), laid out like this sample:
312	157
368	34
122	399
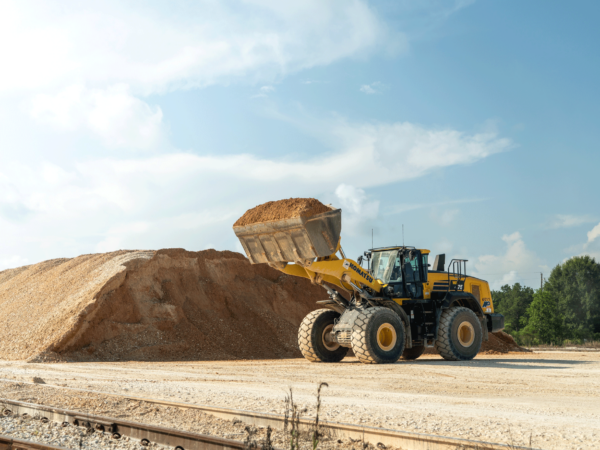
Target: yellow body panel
437	282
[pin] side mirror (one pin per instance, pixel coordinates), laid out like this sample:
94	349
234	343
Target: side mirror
360	260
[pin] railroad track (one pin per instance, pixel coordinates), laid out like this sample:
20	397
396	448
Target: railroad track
146	434
7	443
390	438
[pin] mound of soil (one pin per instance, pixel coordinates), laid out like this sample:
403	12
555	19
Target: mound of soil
152	306
282	209
501	342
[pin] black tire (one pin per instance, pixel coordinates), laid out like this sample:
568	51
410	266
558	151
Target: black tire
414	352
378	336
459	335
312	339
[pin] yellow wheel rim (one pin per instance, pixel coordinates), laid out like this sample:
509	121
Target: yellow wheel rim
386	337
328	341
466	334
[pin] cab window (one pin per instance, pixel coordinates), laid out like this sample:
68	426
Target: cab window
412	270
396	275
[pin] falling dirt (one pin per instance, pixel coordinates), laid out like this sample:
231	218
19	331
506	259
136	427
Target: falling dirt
282	209
143	305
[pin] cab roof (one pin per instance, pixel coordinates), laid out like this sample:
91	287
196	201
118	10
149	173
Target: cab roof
397	247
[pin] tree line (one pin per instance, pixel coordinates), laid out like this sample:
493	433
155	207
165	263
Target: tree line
565	308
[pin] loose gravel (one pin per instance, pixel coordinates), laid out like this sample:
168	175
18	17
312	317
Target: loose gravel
31	428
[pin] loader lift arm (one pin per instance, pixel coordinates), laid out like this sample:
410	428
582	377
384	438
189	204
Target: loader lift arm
344	273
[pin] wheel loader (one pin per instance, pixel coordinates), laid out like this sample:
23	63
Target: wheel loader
395	307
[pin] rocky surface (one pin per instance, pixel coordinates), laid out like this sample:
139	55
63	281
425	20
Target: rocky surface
71	437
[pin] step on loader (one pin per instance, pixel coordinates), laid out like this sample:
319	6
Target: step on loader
396	307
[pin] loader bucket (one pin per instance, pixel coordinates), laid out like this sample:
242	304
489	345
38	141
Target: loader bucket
291	240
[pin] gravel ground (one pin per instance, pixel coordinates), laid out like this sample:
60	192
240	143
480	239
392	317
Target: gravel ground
552	398
31	429
136	411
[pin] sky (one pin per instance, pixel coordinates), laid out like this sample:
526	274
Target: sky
145	125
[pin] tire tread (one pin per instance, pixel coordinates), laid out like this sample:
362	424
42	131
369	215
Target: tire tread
304	335
443	344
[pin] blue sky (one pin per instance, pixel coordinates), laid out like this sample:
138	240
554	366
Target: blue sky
152	124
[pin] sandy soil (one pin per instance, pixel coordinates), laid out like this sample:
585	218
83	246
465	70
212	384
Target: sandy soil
282	209
554	398
152	306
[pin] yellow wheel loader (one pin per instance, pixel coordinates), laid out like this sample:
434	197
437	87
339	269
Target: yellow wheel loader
396	307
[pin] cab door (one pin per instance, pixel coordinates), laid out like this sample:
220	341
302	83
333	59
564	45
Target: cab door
413	273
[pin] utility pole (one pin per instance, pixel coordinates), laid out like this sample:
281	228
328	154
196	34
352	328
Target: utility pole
541	282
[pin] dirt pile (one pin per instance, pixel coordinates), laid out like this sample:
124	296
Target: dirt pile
144	305
497	343
282	209
501	342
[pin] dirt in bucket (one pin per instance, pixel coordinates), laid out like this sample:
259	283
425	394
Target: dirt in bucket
282	209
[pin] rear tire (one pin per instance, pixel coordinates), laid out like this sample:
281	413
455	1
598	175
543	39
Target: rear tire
459	335
378	336
313	338
414	352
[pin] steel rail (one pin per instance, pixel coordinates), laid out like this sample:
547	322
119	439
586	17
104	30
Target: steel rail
179	440
8	443
402	439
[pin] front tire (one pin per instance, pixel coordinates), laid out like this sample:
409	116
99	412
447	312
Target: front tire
314	337
459	335
378	336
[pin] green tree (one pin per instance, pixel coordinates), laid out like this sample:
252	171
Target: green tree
576	286
513	302
544	322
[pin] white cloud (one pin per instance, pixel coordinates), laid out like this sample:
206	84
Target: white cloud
264	91
87	68
569	221
94	203
113	114
445	217
357	209
593	233
153	47
517	264
402	150
405	207
374	88
592	246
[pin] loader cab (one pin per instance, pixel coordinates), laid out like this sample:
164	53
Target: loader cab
404	269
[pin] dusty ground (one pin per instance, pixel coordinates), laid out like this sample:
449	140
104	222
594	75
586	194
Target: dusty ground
553	397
